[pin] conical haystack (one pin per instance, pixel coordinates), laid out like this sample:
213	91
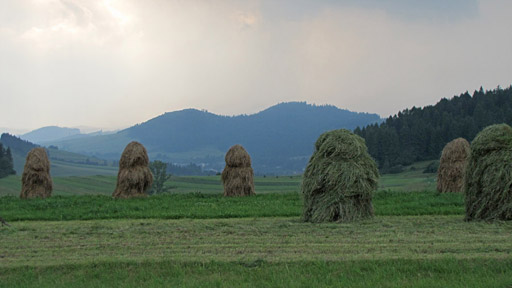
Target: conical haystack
134	176
339	179
36	181
452	166
488	181
238	176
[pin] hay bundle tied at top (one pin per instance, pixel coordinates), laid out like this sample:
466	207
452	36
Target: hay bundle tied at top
488	181
134	177
238	176
339	180
36	180
452	166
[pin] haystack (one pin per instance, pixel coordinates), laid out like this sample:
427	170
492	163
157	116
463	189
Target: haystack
238	176
36	181
339	179
134	176
488	181
452	166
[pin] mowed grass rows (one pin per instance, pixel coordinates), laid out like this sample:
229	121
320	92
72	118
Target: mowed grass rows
194	237
252	239
388	251
390	273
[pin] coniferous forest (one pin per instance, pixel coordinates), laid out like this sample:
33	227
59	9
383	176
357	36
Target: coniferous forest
418	134
6	162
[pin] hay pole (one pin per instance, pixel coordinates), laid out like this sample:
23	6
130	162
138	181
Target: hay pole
339	179
488	179
36	181
452	166
134	177
238	176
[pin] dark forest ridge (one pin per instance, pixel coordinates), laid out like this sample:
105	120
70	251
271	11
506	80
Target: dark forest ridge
419	134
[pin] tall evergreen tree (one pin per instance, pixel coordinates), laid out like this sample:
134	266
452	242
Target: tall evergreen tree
6	162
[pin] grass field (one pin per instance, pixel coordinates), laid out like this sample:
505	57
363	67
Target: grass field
194	237
410	180
105	185
428	273
207	206
388	251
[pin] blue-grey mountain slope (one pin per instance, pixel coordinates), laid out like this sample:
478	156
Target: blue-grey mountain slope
279	139
49	133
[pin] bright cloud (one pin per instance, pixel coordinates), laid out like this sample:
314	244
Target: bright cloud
112	64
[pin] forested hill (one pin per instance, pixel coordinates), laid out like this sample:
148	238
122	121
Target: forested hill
18	145
280	139
420	133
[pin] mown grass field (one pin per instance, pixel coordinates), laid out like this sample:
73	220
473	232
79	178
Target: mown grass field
194	237
388	251
410	180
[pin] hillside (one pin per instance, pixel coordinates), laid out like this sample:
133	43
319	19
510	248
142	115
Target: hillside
419	134
63	163
280	139
49	133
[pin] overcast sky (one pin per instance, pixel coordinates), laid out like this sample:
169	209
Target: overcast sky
112	64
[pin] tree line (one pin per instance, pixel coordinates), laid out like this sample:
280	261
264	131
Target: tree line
419	134
6	162
18	145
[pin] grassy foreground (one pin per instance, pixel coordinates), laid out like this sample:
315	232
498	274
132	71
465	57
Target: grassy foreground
426	251
431	273
204	206
194	237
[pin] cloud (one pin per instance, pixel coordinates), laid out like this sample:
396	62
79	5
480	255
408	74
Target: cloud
62	24
247	19
112	64
406	10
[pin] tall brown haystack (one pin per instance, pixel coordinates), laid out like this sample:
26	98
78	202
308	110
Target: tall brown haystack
452	166
238	176
36	180
134	176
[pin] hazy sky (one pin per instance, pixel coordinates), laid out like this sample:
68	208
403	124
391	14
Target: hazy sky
112	64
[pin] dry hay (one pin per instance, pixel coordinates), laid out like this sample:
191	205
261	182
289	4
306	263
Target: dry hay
488	181
238	176
452	166
36	181
134	177
339	179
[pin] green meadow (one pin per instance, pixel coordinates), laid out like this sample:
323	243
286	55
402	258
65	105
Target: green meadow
195	237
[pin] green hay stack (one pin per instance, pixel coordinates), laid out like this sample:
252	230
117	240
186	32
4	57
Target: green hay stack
488	181
36	181
452	166
238	176
134	177
339	179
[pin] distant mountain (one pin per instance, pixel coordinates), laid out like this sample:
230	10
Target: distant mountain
49	133
77	136
279	139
